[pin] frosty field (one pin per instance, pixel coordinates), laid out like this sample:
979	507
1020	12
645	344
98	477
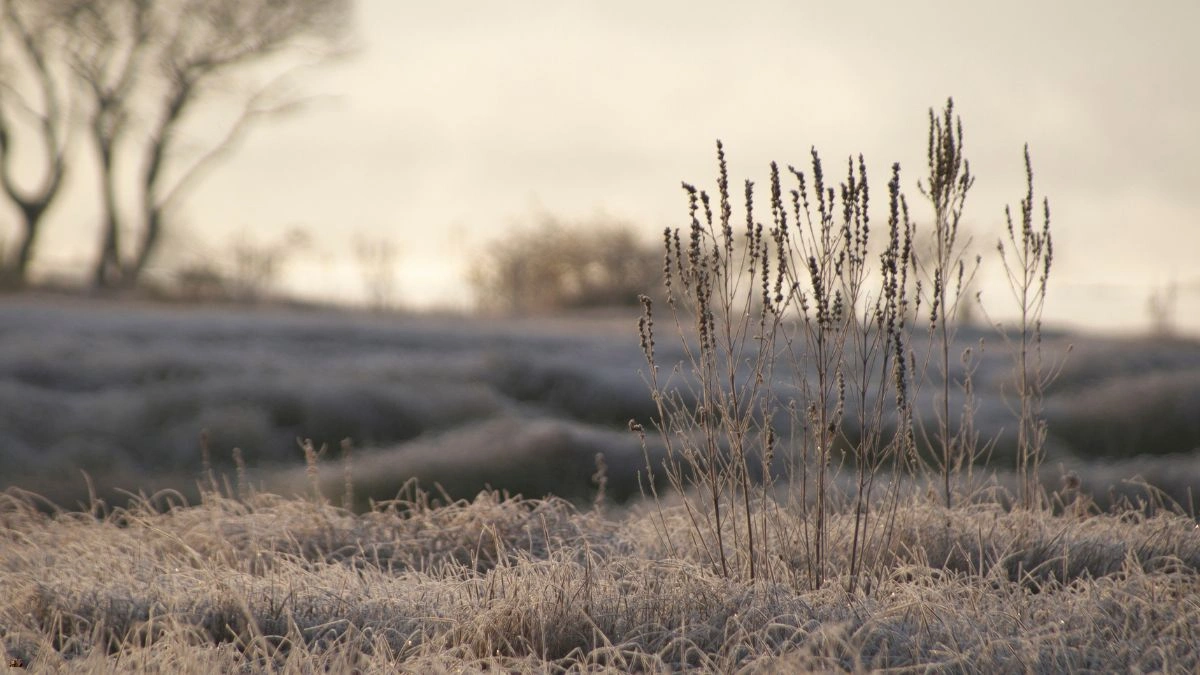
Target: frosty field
200	573
123	392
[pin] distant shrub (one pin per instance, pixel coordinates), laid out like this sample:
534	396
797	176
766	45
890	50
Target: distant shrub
555	265
247	271
377	259
1162	307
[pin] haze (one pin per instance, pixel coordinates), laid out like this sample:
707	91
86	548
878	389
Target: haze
456	120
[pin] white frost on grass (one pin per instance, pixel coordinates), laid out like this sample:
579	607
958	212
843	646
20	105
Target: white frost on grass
122	391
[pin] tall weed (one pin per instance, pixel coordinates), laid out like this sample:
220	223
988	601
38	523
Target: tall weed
806	343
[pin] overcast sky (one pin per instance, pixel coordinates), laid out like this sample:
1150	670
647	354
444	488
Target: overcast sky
456	120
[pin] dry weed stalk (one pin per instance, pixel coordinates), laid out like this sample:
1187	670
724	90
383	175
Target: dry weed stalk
798	355
787	295
947	274
1027	257
715	424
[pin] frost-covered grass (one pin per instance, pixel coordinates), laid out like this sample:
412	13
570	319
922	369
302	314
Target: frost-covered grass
293	585
806	460
122	391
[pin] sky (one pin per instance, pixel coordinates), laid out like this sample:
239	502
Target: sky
455	121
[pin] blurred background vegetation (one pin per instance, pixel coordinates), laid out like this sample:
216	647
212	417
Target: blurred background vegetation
553	265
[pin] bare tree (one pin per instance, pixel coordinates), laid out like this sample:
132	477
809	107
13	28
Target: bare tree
34	99
145	64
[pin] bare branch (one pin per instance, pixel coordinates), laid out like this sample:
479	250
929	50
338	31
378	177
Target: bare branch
32	29
252	113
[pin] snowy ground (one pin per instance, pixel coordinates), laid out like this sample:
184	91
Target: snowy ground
121	391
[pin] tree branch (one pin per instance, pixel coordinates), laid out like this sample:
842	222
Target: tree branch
254	110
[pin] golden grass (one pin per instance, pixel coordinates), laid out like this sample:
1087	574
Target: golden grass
289	585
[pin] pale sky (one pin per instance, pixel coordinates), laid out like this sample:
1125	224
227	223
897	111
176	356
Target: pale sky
456	120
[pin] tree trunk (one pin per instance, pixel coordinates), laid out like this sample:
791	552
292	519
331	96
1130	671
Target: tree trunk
32	214
108	272
148	246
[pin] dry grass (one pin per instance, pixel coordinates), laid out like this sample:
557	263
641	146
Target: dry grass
732	565
289	585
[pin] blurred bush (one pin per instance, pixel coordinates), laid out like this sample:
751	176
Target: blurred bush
554	265
248	270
